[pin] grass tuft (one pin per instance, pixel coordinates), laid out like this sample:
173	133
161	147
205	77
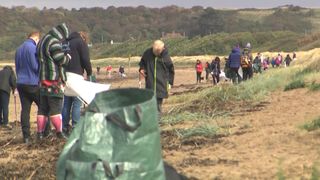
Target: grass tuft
296	84
314	86
313	125
203	130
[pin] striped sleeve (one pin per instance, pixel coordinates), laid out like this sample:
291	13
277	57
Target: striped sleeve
57	54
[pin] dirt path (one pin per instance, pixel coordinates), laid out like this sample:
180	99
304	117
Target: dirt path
262	143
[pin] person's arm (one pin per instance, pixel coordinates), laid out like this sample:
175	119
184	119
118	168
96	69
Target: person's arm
142	73
170	67
16	62
13	81
32	53
85	58
58	54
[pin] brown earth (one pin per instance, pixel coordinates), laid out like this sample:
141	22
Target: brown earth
259	145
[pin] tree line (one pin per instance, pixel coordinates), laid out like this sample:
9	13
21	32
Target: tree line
138	24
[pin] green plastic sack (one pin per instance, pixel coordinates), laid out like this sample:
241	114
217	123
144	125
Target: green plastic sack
117	138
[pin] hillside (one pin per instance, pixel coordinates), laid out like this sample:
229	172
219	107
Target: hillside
128	25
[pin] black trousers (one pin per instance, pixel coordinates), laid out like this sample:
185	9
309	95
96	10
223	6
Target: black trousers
199	77
207	75
28	94
247	71
159	105
4	107
215	78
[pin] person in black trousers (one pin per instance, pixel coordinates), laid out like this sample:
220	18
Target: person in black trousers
215	70
7	83
28	72
156	68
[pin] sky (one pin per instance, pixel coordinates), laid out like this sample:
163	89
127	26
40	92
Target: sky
218	4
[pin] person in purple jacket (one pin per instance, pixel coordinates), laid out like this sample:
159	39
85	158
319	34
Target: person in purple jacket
28	72
234	64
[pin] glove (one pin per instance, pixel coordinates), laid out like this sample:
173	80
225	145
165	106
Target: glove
69	56
169	87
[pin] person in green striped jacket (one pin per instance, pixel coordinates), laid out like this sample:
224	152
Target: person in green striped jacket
53	60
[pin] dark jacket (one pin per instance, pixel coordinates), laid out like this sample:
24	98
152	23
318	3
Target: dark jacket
27	65
257	60
288	60
235	58
164	71
215	67
80	59
7	79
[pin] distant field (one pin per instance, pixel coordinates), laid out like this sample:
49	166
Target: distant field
254	15
180	61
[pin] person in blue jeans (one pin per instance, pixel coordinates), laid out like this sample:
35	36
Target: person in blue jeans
71	106
80	62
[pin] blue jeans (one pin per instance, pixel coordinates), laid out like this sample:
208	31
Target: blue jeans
71	103
4	107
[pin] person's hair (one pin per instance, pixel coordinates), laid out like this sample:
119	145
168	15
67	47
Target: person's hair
84	36
34	34
217	59
8	67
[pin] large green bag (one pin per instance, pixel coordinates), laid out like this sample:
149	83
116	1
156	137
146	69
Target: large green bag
117	138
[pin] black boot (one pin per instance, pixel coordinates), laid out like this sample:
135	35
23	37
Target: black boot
61	135
26	140
40	135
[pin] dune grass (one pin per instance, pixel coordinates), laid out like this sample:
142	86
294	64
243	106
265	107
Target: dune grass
312	125
295	84
208	131
227	98
314	86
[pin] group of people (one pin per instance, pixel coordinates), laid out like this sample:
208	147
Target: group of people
109	71
41	66
241	66
212	69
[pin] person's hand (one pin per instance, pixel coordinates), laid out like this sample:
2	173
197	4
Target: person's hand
15	92
140	84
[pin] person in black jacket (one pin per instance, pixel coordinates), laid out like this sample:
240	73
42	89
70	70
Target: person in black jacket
7	84
157	69
80	62
215	70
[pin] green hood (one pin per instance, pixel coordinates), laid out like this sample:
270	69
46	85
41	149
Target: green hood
60	32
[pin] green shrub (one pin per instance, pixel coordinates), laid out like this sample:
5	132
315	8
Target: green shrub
314	87
313	125
296	84
184	116
203	130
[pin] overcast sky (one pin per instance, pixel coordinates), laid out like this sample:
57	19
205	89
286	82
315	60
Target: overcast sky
159	3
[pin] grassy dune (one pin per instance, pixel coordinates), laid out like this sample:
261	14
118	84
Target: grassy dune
227	99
